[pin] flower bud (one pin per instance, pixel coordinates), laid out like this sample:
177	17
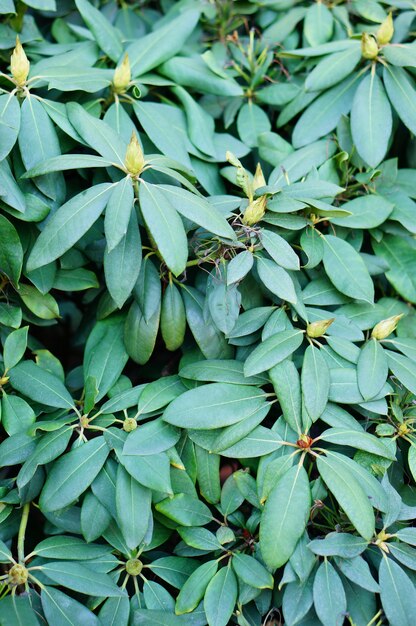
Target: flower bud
129	424
258	180
319	328
134	567
255	211
386	31
18	575
122	75
384	328
19	64
134	159
369	47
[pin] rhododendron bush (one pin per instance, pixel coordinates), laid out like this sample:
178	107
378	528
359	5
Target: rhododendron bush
207	323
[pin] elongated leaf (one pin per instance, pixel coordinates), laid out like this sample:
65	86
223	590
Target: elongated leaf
11	251
371	119
107	37
329	595
133	505
404	369
272	351
315	382
357	439
165	226
220	597
40	385
250	571
69	224
62	610
118	212
346	269
194	588
398	594
286	382
349	494
284	517
401	92
72	474
372	369
79	578
213	406
276	279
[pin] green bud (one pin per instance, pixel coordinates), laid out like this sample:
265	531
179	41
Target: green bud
134	567
384	328
19	64
134	159
18	575
319	328
255	211
369	47
386	31
122	75
258	180
129	424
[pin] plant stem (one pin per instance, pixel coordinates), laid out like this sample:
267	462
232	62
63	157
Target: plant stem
21	535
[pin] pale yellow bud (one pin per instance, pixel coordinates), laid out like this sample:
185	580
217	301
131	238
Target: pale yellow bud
258	180
319	328
384	328
19	64
232	159
386	31
129	424
134	159
369	47
255	211
122	75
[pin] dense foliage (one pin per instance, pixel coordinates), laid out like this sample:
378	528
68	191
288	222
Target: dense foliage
207	289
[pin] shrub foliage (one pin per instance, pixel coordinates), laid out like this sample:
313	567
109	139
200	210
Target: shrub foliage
207	289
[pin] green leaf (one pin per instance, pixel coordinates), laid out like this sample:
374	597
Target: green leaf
39	385
122	263
15	347
333	68
72	474
38	141
214	406
79	578
220	597
402	94
400	257
11	251
349	494
329	595
107	37
151	438
118	212
286	383
250	571
62	610
165	227
356	439
252	121
197	209
185	510
279	250
17	415
372	369
69	548
172	318
403	368
318	24
17	611
276	279
159	393
162	44
193	590
346	269
371	119
366	212
152	470
72	220
272	351
339	544
133	506
66	162
324	113
315	382
9	123
97	134
43	305
398	594
284	517
239	266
